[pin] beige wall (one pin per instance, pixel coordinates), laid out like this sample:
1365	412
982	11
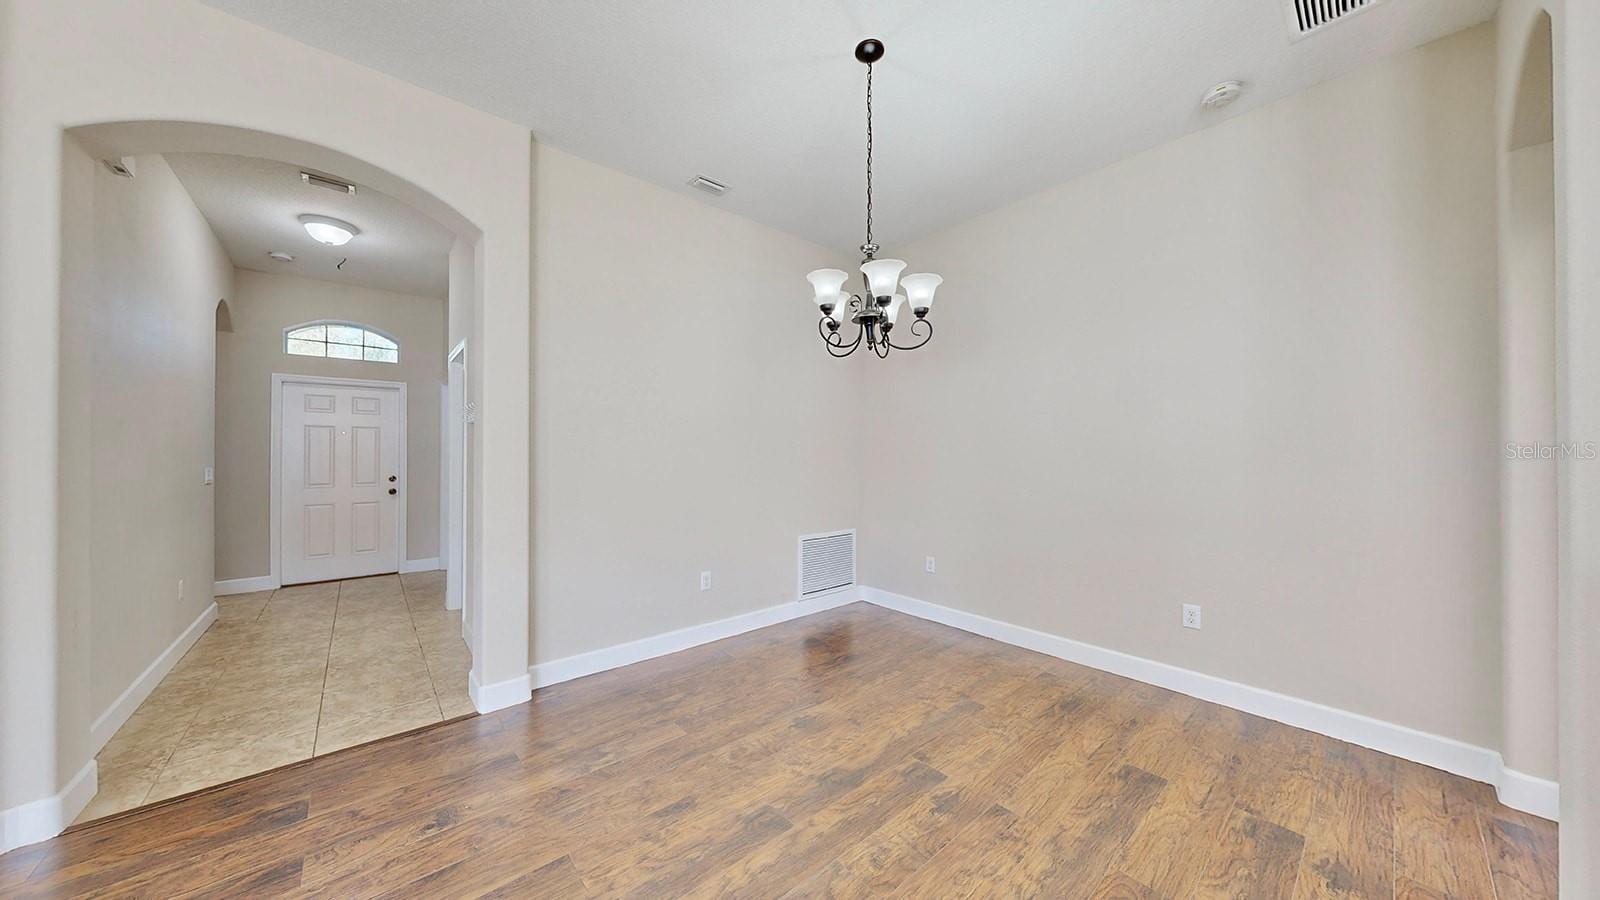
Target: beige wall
138	290
685	415
262	306
1248	369
1528	486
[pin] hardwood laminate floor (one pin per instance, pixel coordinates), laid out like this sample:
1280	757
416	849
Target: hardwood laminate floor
850	753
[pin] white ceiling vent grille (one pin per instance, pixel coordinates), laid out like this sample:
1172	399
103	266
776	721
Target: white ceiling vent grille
1309	16
827	563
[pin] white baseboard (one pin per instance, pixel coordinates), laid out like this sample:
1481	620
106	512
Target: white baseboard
41	820
568	668
499	695
419	565
244	585
1516	790
1529	793
113	718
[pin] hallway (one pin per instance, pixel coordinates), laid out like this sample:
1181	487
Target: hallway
285	675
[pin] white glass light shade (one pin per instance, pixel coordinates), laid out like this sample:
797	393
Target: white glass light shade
329	231
920	288
895	306
827	283
882	275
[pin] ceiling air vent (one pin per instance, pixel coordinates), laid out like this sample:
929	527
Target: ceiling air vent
1309	16
827	563
332	184
714	188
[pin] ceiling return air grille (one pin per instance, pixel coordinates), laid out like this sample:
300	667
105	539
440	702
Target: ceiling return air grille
827	563
1308	16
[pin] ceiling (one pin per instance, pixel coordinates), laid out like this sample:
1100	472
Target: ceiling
978	102
254	205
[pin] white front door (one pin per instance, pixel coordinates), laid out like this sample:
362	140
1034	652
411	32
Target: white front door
341	481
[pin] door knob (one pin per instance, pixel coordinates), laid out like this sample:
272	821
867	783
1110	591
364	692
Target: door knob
393	491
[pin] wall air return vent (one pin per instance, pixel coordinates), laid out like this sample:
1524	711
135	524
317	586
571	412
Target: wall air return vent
827	563
1310	16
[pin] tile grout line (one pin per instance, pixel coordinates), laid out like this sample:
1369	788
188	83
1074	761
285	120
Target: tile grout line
433	683
327	663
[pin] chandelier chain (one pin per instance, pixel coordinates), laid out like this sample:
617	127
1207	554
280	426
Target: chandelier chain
869	154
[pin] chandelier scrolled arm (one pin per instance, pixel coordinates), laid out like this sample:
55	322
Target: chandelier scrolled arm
926	334
886	292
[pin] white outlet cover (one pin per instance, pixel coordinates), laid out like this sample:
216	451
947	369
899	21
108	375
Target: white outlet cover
705	581
1191	615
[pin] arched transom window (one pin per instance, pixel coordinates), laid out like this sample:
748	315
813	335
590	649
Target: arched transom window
340	340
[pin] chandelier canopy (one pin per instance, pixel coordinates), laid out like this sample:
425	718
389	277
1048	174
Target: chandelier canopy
887	294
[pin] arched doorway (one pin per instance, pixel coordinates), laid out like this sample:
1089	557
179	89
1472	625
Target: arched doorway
184	696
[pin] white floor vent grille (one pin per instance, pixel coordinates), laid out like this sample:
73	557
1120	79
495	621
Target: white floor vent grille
827	563
1307	16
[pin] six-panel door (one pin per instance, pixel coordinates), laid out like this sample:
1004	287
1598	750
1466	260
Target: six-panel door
340	505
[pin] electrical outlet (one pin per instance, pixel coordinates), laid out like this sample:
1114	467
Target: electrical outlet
208	475
1191	615
928	566
705	581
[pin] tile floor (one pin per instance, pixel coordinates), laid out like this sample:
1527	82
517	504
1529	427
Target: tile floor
285	675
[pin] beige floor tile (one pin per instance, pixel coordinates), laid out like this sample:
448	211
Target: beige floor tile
205	771
362	726
381	586
456	703
257	712
249	737
241	607
118	789
148	737
348	700
282	674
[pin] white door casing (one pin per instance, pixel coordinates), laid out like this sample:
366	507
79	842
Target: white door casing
339	482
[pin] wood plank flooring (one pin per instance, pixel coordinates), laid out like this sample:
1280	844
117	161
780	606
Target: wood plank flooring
856	752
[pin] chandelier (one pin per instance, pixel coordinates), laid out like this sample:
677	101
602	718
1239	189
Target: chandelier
875	316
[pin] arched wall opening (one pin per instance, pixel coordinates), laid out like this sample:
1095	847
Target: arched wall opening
136	535
186	63
1533	453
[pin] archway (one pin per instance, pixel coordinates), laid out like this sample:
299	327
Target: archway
119	693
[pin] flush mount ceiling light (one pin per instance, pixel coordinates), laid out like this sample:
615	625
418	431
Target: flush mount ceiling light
875	316
328	231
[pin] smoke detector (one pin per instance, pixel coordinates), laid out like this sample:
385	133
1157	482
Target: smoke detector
714	188
1222	94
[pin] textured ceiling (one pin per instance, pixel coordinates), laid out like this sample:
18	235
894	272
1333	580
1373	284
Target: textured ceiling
979	102
254	206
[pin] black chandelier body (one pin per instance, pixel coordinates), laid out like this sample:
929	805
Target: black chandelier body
875	313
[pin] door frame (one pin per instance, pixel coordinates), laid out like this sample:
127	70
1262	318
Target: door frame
275	505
